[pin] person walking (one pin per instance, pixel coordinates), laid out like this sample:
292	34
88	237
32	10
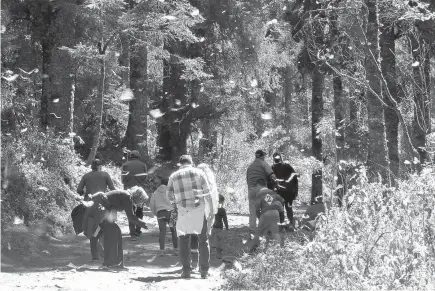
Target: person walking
258	173
190	188
133	174
218	227
287	184
163	208
94	181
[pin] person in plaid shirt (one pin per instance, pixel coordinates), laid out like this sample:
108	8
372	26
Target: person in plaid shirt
190	189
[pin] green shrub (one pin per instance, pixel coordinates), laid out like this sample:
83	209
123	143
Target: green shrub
382	239
35	190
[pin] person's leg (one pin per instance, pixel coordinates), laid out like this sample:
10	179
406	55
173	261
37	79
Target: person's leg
120	259
204	250
252	210
96	246
289	210
132	226
161	217
184	245
194	250
260	231
139	214
218	240
174	237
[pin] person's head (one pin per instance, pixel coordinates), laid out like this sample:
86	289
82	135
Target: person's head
186	160
96	165
221	199
134	155
277	158
163	181
260	154
138	195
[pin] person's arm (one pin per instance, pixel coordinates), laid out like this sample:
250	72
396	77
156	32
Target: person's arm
128	208
224	216
81	186
258	208
124	173
110	182
170	191
153	203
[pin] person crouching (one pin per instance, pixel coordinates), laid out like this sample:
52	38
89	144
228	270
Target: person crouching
270	211
100	220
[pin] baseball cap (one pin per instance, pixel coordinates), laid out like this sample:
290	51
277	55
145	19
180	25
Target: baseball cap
260	153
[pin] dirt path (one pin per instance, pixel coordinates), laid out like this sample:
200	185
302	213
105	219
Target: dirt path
65	264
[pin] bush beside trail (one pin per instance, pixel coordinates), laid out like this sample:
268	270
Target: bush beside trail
382	239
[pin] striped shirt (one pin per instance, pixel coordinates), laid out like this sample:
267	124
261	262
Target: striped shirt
185	184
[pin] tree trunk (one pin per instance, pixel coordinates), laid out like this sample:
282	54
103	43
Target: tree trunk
316	116
124	59
174	127
388	67
71	104
288	90
46	81
377	153
99	111
136	133
421	121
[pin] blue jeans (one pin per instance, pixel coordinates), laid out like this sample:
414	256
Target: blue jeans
203	248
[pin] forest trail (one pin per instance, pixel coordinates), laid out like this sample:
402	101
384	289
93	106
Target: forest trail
65	263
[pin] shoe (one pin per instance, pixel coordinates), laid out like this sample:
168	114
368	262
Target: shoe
205	275
138	231
185	275
162	253
95	259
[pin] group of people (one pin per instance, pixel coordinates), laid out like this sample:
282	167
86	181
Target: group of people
188	202
271	189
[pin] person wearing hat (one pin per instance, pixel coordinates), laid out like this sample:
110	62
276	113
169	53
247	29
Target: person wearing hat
258	173
287	183
190	189
100	220
134	172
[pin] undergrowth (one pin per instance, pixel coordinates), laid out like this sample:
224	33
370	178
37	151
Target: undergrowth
383	238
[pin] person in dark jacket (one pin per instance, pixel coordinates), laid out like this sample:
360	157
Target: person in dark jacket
258	173
100	220
218	226
270	211
134	172
95	181
287	183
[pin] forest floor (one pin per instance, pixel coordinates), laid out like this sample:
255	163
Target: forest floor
65	263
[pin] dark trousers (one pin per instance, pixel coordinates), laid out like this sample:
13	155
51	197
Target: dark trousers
203	247
289	209
138	211
96	245
163	217
113	251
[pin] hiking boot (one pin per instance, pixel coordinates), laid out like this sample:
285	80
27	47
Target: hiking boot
185	275
162	253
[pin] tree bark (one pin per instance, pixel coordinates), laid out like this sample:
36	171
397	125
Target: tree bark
388	67
124	59
136	133
174	127
316	116
99	111
47	46
421	121
288	90
377	153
